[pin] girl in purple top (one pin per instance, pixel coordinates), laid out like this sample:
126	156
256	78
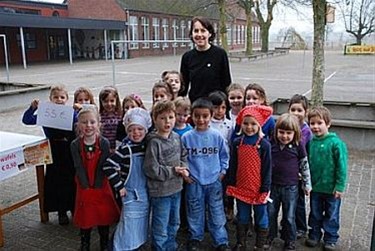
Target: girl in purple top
288	161
110	114
298	106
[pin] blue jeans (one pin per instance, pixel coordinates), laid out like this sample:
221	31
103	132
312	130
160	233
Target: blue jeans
324	214
301	223
244	214
198	199
285	197
165	221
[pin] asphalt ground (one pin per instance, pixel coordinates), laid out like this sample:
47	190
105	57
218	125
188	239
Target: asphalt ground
348	78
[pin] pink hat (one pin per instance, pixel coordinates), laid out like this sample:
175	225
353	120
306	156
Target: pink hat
260	112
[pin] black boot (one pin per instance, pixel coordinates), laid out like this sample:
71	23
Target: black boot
261	238
104	237
241	237
85	239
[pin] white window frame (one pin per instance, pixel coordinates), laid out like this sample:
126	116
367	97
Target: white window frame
164	25
175	30
229	34
243	29
156	31
133	32
238	34
145	22
182	32
234	34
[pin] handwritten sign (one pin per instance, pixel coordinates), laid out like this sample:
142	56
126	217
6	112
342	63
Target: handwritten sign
55	116
11	163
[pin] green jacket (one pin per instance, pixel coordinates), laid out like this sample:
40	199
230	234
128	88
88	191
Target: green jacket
328	159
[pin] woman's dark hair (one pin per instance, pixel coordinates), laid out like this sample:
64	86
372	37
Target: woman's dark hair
206	24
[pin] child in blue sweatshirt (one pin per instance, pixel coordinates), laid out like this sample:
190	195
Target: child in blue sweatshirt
208	157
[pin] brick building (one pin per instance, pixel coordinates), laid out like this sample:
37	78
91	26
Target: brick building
83	29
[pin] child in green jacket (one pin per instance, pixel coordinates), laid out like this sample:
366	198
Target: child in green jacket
328	166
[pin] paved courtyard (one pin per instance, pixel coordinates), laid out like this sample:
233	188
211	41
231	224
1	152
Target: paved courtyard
348	78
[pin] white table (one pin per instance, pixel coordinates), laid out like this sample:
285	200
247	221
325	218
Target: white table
14	141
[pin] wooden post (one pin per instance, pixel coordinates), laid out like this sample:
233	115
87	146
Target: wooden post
1	230
40	183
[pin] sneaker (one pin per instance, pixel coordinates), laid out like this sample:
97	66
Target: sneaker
290	245
193	245
63	218
223	247
301	234
311	243
229	214
268	244
330	246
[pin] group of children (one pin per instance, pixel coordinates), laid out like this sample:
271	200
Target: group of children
126	165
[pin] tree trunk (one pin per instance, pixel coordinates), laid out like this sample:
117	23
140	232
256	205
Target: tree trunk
249	34
318	53
223	25
359	40
264	32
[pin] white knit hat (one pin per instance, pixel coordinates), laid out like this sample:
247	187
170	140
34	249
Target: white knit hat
137	116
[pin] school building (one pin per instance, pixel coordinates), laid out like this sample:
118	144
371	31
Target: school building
83	29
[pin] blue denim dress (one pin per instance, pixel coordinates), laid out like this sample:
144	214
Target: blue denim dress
132	229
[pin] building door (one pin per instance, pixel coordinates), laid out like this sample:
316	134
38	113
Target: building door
57	47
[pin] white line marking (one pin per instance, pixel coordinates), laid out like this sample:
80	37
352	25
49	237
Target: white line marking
325	80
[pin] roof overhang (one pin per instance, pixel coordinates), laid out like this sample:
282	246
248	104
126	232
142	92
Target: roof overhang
35	21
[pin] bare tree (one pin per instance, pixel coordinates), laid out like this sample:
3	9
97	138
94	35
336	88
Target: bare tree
265	22
247	5
223	24
359	17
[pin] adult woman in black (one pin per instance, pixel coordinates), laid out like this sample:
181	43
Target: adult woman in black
206	67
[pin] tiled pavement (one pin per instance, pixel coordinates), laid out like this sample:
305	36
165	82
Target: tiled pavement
22	227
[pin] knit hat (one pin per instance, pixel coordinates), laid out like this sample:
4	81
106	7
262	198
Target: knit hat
260	112
137	116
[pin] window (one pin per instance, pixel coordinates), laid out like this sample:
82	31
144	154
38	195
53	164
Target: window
175	28
133	31
234	35
243	34
156	31
238	34
253	32
29	39
146	31
229	34
165	31
183	30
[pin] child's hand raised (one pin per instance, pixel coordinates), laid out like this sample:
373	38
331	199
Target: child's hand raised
34	104
77	106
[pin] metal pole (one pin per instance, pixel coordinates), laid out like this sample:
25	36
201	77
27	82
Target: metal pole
105	45
113	64
6	56
70	47
23	48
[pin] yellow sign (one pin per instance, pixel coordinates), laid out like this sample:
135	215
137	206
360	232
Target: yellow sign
360	49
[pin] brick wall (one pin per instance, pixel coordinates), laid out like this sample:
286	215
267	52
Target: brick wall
96	9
